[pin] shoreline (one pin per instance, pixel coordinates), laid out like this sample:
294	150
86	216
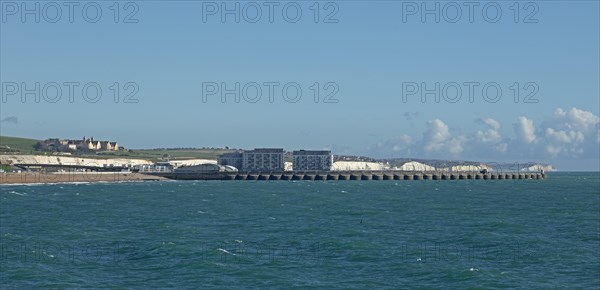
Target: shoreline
24	178
73	177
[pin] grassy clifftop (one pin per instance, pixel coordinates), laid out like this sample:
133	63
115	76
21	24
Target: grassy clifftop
160	154
12	144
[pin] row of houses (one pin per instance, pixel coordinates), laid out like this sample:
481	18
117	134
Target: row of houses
91	144
82	144
272	159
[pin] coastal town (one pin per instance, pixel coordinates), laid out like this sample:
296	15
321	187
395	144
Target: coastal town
90	156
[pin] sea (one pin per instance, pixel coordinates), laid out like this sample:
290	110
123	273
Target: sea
451	234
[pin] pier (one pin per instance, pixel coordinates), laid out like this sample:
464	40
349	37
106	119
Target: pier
351	175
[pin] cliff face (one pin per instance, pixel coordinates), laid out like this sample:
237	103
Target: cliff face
470	168
68	160
415	166
192	162
356	165
538	168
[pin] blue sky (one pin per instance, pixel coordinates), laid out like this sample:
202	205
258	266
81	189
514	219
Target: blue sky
364	58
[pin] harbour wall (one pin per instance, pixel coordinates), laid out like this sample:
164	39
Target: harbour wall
352	175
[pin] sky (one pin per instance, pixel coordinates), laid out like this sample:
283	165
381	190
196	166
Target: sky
480	81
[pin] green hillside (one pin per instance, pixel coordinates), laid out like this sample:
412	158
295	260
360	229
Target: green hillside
26	146
16	144
173	154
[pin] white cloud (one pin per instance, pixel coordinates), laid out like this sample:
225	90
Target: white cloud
572	133
436	135
492	134
565	135
438	140
575	119
456	145
492	123
561	136
525	130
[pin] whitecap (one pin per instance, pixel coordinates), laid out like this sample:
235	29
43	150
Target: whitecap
225	251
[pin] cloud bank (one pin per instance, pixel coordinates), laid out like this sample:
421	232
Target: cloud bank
567	134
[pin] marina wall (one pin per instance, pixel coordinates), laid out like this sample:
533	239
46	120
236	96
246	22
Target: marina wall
354	175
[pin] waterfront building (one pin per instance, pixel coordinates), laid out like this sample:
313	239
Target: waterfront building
231	159
205	169
263	159
312	160
156	167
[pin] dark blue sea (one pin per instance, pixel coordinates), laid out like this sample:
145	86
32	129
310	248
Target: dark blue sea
308	234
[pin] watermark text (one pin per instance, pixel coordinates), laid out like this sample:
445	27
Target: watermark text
470	91
70	91
469	11
270	91
269	12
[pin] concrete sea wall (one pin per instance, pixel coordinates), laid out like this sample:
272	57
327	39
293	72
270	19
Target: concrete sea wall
354	175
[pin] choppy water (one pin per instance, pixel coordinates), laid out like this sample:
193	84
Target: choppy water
361	234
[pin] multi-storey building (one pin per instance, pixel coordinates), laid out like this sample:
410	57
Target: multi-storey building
263	159
231	159
312	160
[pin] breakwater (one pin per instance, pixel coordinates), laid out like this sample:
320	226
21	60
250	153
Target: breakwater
351	175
